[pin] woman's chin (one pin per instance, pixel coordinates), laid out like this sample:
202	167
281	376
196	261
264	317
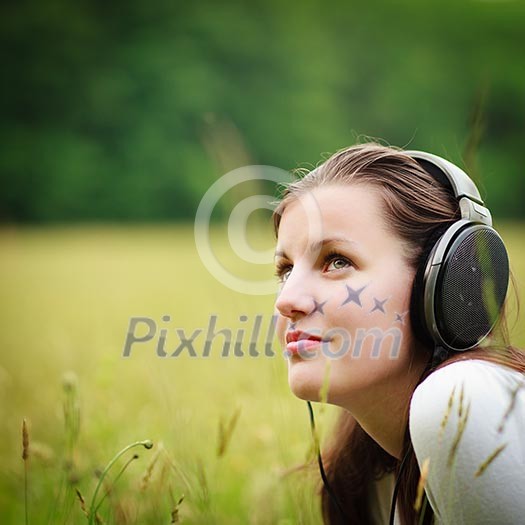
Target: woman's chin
304	385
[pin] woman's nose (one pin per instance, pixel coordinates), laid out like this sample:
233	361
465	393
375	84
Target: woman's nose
294	299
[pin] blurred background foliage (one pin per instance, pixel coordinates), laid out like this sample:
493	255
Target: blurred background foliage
116	111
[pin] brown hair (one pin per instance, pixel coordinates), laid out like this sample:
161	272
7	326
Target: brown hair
417	209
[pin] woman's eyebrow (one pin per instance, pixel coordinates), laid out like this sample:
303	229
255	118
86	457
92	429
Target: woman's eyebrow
316	246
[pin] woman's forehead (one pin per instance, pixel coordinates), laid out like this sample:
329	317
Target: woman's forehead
341	206
344	212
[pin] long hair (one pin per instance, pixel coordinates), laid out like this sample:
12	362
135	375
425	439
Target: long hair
417	209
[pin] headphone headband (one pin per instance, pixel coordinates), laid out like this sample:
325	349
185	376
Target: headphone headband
470	202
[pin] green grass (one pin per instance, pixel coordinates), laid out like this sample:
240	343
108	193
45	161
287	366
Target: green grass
68	294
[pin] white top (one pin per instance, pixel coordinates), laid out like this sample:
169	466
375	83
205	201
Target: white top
468	418
381	501
461	417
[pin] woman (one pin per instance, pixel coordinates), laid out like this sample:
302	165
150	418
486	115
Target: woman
427	401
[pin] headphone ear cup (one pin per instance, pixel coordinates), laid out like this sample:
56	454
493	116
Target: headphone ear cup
417	306
460	287
418	317
470	287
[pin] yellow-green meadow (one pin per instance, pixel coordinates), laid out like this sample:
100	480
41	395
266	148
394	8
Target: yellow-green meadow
229	439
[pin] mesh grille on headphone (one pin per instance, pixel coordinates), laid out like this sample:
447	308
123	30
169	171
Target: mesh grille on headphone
473	287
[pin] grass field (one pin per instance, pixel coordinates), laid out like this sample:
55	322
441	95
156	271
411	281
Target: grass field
227	433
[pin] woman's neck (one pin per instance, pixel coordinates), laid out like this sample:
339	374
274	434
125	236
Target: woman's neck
383	414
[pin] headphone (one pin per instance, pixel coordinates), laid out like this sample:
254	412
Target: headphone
460	284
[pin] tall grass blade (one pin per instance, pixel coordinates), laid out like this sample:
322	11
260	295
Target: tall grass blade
93	506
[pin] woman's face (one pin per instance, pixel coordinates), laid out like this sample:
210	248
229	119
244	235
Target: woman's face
344	295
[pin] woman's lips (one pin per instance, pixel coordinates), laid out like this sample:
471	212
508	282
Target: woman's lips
298	347
298	342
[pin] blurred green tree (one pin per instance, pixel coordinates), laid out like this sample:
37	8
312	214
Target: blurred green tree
125	110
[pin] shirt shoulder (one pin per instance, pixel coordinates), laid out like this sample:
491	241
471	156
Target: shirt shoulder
467	421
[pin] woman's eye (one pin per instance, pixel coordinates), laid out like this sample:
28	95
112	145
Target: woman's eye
282	272
331	262
337	262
